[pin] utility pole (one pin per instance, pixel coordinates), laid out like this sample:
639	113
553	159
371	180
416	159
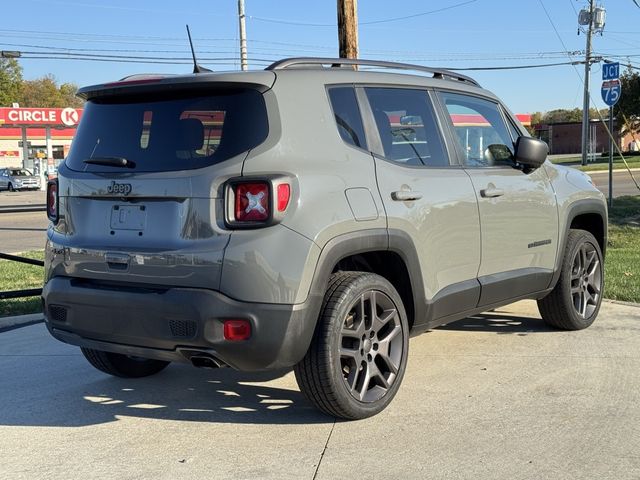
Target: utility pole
587	73
348	28
243	35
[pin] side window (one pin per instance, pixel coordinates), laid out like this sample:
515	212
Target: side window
347	115
479	127
407	126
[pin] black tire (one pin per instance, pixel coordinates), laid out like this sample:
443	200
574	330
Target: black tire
356	360
575	301
123	365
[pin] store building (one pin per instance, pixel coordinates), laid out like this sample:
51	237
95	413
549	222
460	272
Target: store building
36	138
566	137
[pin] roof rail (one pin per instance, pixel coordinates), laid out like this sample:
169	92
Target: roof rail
341	62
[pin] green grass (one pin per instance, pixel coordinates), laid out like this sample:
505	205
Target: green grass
18	276
601	163
622	265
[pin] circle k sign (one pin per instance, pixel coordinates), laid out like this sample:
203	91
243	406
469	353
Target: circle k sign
69	116
40	117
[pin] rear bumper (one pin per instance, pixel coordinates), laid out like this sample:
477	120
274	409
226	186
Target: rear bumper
175	323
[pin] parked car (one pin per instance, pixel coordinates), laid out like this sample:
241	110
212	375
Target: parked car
14	179
290	218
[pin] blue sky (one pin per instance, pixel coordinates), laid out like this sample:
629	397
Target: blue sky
464	33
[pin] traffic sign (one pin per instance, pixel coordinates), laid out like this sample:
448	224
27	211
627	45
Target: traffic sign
611	91
610	71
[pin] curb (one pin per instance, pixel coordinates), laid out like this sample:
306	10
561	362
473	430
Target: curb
19	321
606	170
621	302
26	208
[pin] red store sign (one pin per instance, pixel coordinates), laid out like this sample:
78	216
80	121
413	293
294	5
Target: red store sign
54	117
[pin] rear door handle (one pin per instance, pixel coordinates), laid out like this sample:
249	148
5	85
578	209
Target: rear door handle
405	195
491	192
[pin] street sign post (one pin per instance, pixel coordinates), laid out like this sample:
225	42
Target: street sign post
611	91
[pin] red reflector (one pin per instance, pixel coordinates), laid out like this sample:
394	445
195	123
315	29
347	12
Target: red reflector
52	200
237	330
284	192
252	202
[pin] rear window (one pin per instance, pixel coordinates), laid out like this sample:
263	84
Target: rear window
169	134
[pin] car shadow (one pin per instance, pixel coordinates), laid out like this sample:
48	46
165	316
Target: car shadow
502	324
180	393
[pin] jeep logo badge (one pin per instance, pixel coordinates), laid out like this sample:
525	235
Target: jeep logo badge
122	188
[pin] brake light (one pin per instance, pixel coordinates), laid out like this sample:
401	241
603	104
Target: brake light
252	202
52	200
284	193
136	80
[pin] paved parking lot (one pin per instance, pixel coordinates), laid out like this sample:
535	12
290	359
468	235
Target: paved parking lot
494	396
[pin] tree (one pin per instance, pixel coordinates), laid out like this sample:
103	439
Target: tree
68	94
45	92
628	106
560	115
10	81
536	119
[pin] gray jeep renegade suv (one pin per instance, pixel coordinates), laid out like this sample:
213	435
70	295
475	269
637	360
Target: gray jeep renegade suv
309	215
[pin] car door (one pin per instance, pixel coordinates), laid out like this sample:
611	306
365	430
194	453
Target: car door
425	197
4	179
518	213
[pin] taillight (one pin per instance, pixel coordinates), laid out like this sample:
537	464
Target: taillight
252	202
52	200
257	202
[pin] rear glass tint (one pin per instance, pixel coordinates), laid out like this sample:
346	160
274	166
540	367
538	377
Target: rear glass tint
169	134
347	115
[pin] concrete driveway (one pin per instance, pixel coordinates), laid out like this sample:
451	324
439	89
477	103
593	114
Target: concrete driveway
497	396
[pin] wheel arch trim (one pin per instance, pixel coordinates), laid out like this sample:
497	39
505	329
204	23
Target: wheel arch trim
584	206
363	241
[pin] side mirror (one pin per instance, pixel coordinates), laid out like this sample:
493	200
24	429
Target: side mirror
531	152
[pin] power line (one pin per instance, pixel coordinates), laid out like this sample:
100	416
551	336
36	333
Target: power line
400	54
233	60
517	67
186	61
372	22
461	4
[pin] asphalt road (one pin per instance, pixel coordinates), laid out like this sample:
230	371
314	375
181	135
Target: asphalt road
20	232
22	198
622	182
497	396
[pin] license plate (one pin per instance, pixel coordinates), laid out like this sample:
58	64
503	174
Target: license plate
128	217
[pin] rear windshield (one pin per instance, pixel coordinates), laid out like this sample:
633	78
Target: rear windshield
169	134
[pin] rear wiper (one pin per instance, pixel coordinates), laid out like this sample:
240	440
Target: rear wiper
111	161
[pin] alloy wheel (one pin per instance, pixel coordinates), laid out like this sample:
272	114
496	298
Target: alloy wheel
586	280
371	346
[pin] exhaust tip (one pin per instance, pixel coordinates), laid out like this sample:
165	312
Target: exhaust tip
202	361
